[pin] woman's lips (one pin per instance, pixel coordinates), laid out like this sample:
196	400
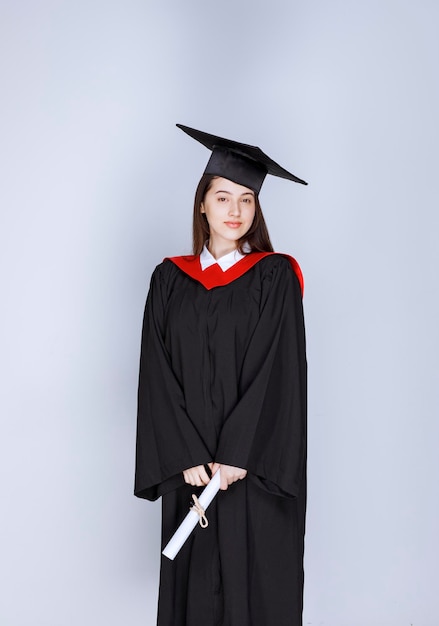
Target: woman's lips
233	224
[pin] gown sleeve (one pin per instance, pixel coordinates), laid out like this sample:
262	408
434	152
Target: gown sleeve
167	441
266	431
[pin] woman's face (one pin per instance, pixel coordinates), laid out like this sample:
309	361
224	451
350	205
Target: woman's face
229	209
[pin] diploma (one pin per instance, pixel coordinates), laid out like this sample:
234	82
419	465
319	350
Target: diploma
192	518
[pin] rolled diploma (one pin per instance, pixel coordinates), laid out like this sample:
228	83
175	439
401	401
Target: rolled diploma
192	518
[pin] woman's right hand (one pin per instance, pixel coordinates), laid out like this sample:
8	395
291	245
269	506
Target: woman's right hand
197	476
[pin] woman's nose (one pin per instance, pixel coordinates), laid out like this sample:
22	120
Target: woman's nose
234	209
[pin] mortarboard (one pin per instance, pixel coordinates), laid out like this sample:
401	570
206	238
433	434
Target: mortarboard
243	164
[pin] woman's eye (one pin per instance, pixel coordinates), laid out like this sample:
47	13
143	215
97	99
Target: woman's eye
222	198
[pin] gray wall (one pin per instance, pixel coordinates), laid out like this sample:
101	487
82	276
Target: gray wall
96	188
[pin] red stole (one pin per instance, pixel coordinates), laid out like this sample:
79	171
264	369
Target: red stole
214	276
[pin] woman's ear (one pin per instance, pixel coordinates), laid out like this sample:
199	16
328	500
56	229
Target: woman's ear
202	208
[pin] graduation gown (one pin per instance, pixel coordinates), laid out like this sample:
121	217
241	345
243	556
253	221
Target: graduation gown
223	378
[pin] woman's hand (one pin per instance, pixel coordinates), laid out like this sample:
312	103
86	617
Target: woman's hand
197	476
229	474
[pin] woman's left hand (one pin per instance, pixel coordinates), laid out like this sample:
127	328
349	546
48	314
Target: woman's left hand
229	474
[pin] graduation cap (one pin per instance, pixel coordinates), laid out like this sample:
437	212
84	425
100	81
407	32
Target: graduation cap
239	162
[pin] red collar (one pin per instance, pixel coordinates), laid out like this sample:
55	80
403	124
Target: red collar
214	276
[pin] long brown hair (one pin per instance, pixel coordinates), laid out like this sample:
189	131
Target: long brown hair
257	236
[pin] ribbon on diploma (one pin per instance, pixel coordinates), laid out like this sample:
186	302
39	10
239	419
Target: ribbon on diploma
204	522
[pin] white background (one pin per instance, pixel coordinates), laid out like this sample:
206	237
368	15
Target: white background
97	187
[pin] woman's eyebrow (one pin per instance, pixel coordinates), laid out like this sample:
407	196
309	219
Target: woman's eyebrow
246	193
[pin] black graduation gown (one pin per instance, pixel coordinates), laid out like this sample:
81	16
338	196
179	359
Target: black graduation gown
223	378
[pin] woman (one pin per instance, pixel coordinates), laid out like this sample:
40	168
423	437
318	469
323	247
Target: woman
223	386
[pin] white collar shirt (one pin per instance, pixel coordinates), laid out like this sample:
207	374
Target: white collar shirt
225	262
